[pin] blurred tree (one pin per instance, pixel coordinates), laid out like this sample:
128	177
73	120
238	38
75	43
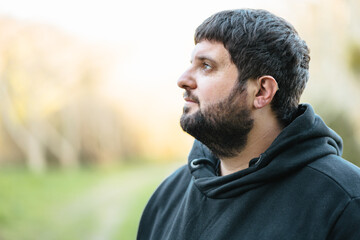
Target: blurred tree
51	102
354	58
342	124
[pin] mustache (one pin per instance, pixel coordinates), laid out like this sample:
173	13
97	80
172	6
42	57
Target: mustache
188	94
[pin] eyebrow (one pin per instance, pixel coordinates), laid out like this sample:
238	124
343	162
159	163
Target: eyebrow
204	57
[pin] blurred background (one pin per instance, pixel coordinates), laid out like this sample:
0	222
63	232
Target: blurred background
89	106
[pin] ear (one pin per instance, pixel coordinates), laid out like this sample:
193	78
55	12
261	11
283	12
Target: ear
267	87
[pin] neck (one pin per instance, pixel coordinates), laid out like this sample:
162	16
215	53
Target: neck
264	132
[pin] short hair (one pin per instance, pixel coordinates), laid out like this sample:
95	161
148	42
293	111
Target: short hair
259	44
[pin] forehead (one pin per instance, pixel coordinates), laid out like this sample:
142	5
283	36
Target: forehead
211	50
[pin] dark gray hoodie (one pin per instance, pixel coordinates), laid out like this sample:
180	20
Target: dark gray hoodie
299	188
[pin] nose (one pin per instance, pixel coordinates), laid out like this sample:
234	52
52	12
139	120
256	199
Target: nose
187	80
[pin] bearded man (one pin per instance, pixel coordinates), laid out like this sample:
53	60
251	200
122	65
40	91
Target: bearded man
262	166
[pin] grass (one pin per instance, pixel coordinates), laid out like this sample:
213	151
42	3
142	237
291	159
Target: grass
82	204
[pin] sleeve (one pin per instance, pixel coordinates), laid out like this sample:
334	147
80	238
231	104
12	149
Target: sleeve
348	224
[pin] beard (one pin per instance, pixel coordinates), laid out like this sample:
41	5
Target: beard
223	127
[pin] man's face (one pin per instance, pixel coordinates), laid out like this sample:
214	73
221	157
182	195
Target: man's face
210	77
215	110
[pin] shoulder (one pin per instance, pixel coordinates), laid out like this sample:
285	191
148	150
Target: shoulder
180	175
340	182
163	199
339	173
172	186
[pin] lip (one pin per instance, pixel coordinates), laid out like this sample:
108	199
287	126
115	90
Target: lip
189	100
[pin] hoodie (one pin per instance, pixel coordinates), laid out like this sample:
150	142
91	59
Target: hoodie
299	188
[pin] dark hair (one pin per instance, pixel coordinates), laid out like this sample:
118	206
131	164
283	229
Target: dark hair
261	43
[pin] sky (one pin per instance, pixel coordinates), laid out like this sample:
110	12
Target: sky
108	19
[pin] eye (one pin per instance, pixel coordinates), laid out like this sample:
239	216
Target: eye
206	66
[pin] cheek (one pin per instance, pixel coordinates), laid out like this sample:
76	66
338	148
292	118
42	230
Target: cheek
216	93
217	87
209	95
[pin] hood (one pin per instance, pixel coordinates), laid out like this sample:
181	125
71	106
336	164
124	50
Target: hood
303	141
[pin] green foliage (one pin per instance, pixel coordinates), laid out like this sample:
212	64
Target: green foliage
82	204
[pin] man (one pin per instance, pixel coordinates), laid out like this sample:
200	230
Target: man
262	166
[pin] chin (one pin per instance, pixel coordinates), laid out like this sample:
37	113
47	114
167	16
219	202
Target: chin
188	110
